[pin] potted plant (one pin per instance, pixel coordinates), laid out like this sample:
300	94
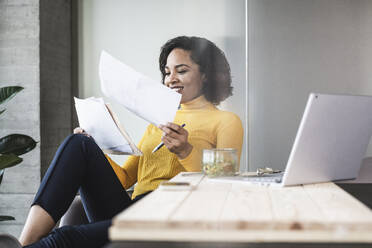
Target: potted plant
12	145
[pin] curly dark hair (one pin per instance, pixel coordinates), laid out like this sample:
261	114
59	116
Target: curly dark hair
212	63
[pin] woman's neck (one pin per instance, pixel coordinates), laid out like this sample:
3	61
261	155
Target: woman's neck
196	103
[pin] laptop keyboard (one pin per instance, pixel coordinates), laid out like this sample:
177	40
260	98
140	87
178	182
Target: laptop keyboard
274	178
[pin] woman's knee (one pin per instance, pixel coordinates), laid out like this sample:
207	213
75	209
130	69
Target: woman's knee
77	137
77	140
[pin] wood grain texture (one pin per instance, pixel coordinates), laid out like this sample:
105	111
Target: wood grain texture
215	211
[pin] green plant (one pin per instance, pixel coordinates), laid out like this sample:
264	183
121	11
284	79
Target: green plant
12	145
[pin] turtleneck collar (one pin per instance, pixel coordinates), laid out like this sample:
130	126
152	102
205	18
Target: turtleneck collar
197	103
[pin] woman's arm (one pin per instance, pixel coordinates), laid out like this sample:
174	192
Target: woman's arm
229	134
127	173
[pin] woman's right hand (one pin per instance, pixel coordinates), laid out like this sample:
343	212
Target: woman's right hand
79	130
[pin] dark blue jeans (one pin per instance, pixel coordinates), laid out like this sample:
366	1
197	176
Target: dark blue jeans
80	164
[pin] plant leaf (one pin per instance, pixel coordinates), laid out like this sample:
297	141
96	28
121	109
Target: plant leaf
1	175
7	93
5	217
9	160
2	111
17	144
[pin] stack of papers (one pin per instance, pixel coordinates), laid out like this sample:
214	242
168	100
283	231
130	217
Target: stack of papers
141	95
98	120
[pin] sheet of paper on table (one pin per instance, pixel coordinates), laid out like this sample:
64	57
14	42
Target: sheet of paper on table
141	95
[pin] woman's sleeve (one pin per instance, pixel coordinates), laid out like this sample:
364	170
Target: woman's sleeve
193	161
229	134
127	176
127	173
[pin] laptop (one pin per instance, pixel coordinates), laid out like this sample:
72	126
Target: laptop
330	144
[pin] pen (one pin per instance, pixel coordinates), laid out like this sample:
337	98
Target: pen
161	143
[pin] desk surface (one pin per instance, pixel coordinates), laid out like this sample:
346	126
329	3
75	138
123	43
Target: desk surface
239	212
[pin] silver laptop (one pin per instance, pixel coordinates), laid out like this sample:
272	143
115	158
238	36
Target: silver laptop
330	144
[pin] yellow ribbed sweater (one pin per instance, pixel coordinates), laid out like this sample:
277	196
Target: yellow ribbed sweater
208	127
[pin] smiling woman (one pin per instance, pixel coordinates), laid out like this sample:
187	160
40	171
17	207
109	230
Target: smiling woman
135	40
183	75
196	68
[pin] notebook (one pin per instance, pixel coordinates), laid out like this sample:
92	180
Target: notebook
330	144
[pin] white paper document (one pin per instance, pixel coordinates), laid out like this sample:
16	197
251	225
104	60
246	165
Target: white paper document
141	95
99	121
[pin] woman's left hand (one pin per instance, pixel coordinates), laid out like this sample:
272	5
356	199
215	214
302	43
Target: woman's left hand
175	139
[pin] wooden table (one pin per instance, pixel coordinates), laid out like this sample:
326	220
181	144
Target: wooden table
243	215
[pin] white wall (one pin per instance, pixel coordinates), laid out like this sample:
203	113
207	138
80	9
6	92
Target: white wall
296	47
134	31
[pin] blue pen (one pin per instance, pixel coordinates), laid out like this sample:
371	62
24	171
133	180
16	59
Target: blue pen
161	143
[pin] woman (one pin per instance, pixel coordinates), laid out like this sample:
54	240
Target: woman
195	68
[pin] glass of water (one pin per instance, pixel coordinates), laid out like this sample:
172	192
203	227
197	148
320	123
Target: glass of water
220	162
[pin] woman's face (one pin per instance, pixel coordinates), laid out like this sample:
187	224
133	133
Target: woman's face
183	75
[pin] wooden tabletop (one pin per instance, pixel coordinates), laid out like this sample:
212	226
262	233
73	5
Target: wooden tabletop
240	212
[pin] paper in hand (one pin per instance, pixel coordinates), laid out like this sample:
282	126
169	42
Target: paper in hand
94	117
141	95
